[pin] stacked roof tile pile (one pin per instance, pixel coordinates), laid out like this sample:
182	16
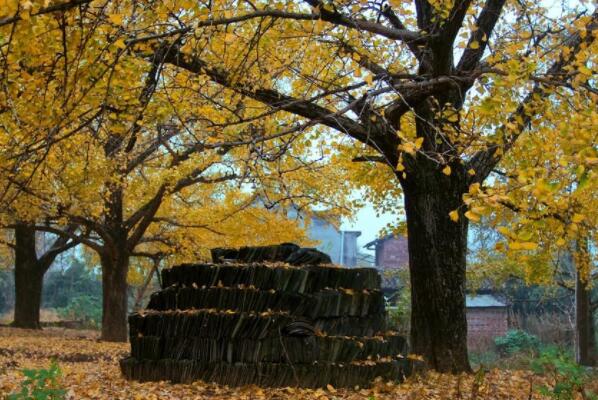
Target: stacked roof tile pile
265	322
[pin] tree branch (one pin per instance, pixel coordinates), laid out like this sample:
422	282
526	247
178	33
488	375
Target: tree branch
60	245
273	98
190	180
46	10
78	238
172	222
394	20
365	25
333	17
143	218
485	23
379	159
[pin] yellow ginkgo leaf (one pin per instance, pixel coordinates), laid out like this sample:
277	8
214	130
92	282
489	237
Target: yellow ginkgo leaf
454	215
504	230
120	43
523	245
447	170
474	188
408	148
116	19
478	210
529	245
472	216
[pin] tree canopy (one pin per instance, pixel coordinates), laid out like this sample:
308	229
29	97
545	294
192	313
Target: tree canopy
460	107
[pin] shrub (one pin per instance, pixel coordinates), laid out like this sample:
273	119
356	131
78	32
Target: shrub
40	384
516	341
61	286
569	378
399	309
83	308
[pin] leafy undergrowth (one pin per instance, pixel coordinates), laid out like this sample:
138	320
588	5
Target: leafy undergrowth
89	370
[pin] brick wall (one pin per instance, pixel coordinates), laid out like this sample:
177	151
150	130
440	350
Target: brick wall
393	253
484	324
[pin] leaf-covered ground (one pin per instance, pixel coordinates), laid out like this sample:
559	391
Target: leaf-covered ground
90	371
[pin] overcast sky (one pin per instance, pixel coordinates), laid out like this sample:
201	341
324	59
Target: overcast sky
369	225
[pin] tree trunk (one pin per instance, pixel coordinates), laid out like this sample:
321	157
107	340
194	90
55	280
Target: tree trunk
29	276
585	340
437	252
143	288
114	295
29	273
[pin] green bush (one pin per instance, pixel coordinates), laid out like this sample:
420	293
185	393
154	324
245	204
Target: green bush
516	341
40	384
83	308
63	285
569	377
399	309
400	313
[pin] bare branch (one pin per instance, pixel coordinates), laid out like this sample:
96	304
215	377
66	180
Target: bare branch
71	235
394	20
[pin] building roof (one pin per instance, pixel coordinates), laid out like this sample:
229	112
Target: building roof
381	240
483	301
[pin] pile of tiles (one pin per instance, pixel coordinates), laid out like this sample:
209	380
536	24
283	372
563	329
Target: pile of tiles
269	324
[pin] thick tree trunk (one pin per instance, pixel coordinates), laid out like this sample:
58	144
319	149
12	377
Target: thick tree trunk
585	339
114	295
437	252
29	276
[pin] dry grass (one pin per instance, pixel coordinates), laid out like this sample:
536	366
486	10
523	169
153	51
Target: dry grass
45	315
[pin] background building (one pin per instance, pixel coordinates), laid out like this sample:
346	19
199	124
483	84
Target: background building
390	252
391	256
340	245
487	318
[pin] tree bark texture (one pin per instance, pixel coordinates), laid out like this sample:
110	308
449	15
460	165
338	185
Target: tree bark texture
585	339
29	276
115	266
437	254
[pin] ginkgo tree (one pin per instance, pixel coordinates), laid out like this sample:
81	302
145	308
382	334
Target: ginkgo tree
143	136
428	95
433	92
48	70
